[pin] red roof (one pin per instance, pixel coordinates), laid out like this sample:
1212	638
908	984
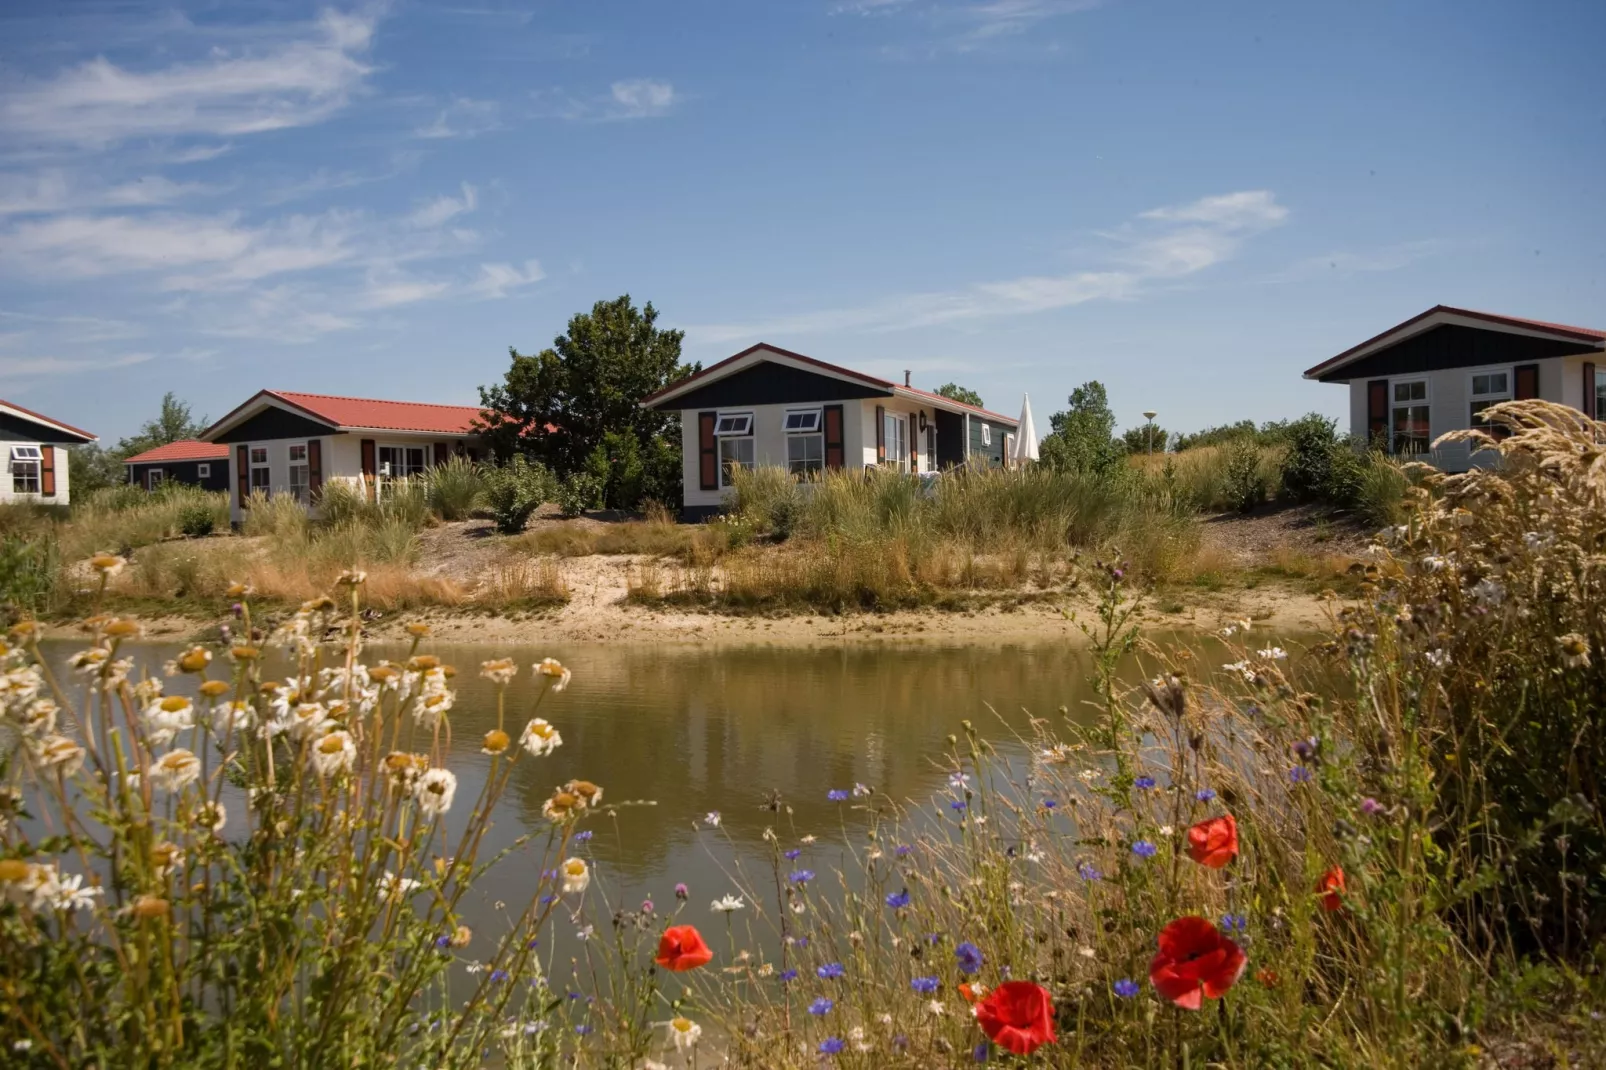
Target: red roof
185	449
49	420
1582	334
365	413
885	384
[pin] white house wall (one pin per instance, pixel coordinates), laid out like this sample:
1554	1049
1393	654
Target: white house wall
7	484
341	457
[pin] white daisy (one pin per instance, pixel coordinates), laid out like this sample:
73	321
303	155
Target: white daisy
576	876
435	790
175	770
334	753
540	738
727	904
685	1033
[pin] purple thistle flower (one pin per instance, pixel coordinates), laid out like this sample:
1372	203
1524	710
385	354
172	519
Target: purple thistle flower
646	906
830	971
1370	805
1126	988
1144	849
898	900
970	957
831	1046
925	985
821	1006
837	795
680	891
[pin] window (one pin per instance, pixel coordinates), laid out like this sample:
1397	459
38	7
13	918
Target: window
299	482
735	433
802	422
895	437
1409	417
203	470
1600	395
986	434
805	454
25	461
259	455
395	462
1488	388
153	478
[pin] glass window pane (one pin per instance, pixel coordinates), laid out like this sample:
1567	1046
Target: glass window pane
1480	384
1497	383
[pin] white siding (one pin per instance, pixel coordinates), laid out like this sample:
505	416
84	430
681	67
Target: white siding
341	459
8	491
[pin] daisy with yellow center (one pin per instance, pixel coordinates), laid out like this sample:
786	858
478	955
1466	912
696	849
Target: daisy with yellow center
496	741
107	564
120	628
434	791
175	770
551	667
334	753
193	660
61	754
500	671
167	717
540	738
561	807
576	876
685	1033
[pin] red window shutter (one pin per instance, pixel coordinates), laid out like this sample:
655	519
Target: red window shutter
314	467
1377	413
1589	391
370	468
834	452
242	454
880	435
1525	382
47	471
440	453
707	454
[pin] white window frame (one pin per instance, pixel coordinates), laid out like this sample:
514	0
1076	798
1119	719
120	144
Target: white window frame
257	461
986	434
805	466
1491	397
300	474
203	470
734	427
27	469
386	477
154	477
1426	402
808	422
895	438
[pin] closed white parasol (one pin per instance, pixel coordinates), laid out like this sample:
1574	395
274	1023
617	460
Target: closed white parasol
1026	434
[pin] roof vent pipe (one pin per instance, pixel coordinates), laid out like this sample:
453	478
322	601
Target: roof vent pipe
906	377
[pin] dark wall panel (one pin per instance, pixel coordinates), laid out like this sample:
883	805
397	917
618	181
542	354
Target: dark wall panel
773	384
1454	346
185	472
18	429
950	438
273	423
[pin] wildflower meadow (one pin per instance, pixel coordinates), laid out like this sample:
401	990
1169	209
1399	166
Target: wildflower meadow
1383	850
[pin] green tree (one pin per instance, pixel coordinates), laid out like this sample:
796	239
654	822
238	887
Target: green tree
1083	437
172	424
1138	439
90	468
962	394
562	403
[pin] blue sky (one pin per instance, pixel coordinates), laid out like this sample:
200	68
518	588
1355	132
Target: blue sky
1191	202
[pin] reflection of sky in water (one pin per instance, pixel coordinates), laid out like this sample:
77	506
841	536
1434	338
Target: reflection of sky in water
697	730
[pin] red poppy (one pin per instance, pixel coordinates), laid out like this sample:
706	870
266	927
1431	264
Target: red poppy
1269	978
1195	961
1331	889
1018	1016
682	948
968	992
1214	843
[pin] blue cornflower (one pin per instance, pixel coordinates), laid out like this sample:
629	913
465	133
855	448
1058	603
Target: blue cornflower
534	943
793	854
830	971
788	975
925	985
1126	988
837	795
1087	871
801	876
831	1045
1300	774
902	850
802	941
443	941
821	1006
1144	849
549	874
898	900
582	1029
548	899
1049	804
969	956
1144	782
1205	794
980	1053
957	806
1234	923
498	975
583	836
933	939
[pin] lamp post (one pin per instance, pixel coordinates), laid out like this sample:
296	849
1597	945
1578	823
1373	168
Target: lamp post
1150	415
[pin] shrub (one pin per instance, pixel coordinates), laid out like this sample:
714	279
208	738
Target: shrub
1245	486
615	466
579	492
514	491
1382	491
1319	465
455	488
279	516
197	520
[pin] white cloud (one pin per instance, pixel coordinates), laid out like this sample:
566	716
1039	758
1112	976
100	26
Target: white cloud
496	280
642	98
443	208
293	80
462	118
1153	249
637	98
1350	262
48	191
963	25
40	367
388	289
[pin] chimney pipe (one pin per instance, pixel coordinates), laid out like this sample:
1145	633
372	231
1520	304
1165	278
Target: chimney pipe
906	377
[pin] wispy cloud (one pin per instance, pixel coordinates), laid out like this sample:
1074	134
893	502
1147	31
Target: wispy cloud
947	26
443	208
55	190
1346	262
1159	245
497	280
290	80
40	367
462	118
636	98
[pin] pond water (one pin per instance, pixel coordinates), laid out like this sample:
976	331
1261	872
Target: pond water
698	730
